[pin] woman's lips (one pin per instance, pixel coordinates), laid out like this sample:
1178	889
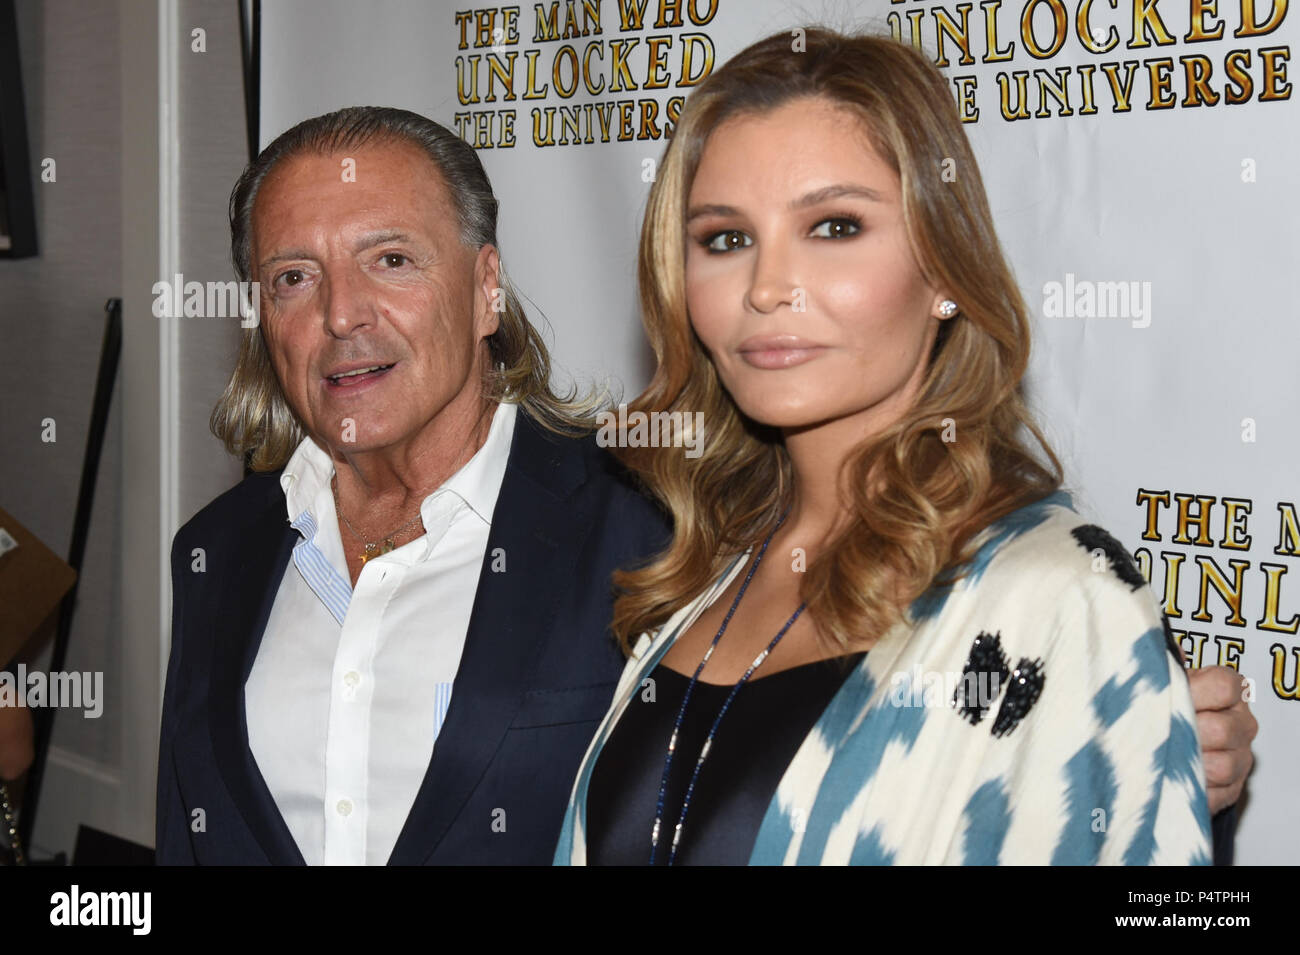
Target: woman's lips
780	356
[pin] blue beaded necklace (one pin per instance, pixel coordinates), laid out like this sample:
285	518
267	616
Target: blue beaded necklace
681	713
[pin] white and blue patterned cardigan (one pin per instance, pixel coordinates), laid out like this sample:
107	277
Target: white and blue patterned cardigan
1102	766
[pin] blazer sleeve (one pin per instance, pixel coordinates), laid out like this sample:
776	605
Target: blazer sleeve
172	833
1225	835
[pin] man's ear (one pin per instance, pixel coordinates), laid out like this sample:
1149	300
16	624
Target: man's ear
489	296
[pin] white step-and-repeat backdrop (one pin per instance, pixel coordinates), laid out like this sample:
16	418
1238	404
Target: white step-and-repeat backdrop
1141	159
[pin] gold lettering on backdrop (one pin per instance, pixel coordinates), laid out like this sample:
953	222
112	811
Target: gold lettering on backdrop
1094	35
579	65
1285	690
607	49
1224	588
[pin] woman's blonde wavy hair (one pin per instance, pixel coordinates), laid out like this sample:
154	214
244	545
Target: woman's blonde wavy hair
252	417
916	502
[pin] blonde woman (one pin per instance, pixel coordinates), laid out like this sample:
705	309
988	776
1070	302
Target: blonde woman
880	634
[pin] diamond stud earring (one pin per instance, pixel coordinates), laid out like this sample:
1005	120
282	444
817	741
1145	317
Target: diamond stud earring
947	308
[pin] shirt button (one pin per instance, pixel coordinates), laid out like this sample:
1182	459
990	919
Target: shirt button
344	807
351	678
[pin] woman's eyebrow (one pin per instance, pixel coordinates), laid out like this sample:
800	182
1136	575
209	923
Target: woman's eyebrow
696	212
837	191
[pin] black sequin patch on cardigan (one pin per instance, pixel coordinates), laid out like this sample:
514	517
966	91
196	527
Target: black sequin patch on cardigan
1022	693
984	664
1091	538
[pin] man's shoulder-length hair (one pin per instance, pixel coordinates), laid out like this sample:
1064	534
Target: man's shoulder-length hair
252	418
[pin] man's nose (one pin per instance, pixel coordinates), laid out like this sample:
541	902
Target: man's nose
772	283
346	301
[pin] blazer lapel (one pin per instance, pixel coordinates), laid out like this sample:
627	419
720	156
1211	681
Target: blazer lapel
538	523
267	545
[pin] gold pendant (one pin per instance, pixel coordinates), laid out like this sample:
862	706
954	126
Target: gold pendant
374	550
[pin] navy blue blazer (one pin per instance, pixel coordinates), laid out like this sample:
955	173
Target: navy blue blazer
537	673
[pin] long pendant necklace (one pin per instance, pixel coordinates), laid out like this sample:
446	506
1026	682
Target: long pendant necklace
383	546
708	742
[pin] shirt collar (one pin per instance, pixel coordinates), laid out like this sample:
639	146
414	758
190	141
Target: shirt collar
477	483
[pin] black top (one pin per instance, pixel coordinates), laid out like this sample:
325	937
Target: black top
763	729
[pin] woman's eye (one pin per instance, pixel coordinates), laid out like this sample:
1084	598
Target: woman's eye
726	241
836	229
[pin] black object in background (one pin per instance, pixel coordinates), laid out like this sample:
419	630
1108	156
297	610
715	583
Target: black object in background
96	847
250	43
17	205
43	718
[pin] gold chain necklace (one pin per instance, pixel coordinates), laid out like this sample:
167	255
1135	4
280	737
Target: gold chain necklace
373	549
384	545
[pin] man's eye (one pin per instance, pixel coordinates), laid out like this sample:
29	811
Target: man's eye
289	278
836	228
726	241
394	260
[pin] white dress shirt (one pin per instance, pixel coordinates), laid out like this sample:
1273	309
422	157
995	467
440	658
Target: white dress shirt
350	687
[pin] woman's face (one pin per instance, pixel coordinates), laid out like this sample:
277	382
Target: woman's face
799	278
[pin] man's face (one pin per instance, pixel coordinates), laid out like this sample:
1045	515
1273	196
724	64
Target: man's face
366	273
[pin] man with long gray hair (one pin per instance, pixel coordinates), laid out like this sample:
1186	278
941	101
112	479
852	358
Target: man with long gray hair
390	643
